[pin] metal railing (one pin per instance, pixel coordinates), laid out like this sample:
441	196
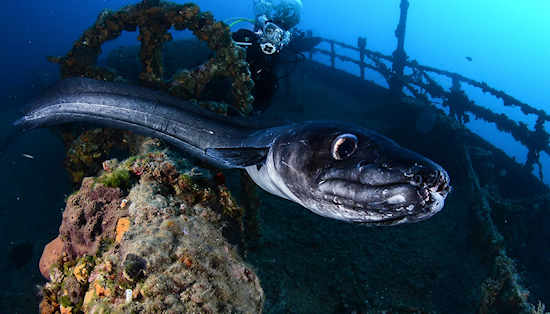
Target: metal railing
422	84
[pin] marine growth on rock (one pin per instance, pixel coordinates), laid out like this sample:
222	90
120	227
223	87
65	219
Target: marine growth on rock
162	252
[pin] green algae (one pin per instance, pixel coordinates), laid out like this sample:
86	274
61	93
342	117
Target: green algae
130	161
119	178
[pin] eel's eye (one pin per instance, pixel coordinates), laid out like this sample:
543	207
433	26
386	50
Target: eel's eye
344	146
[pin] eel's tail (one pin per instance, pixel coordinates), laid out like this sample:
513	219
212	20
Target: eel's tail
118	106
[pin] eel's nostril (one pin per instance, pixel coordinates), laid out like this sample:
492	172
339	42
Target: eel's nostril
433	178
362	163
416	180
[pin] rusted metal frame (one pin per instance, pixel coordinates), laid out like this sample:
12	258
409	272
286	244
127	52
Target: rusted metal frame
379	67
368	52
507	99
399	55
346	58
435	89
361	44
519	131
309	34
478	111
153	22
332	56
504	268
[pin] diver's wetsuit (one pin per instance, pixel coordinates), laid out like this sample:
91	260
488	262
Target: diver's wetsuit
264	46
261	68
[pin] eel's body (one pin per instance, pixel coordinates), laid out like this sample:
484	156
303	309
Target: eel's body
336	170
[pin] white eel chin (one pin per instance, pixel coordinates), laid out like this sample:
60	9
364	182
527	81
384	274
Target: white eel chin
439	201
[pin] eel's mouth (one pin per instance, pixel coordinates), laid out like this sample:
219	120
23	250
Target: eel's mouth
384	196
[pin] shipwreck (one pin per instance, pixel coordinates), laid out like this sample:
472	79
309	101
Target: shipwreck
260	253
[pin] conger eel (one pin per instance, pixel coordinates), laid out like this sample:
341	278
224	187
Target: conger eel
334	169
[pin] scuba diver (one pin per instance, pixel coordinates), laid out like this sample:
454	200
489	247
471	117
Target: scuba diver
273	34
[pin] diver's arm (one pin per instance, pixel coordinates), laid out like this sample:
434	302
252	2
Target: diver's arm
244	37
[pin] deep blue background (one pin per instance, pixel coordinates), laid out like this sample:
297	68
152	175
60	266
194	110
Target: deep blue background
507	40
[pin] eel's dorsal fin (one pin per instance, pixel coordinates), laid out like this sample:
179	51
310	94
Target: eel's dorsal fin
239	157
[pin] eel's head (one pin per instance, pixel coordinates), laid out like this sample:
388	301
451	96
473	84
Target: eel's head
356	175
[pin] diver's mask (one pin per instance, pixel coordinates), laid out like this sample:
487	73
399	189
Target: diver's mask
273	38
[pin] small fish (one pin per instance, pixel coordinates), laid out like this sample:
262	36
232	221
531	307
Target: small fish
469	59
28	156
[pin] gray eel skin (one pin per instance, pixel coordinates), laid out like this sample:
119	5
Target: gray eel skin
334	169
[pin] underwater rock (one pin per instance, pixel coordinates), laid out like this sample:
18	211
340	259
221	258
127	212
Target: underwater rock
171	256
134	266
190	264
87	150
91	215
51	254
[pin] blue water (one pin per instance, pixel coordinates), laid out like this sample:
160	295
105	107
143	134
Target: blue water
507	41
439	34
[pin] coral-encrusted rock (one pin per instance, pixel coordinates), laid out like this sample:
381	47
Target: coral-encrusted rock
90	216
167	253
190	264
86	152
51	254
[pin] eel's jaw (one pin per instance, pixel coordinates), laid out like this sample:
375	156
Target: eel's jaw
394	197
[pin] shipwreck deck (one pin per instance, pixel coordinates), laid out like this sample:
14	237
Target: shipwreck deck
443	264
